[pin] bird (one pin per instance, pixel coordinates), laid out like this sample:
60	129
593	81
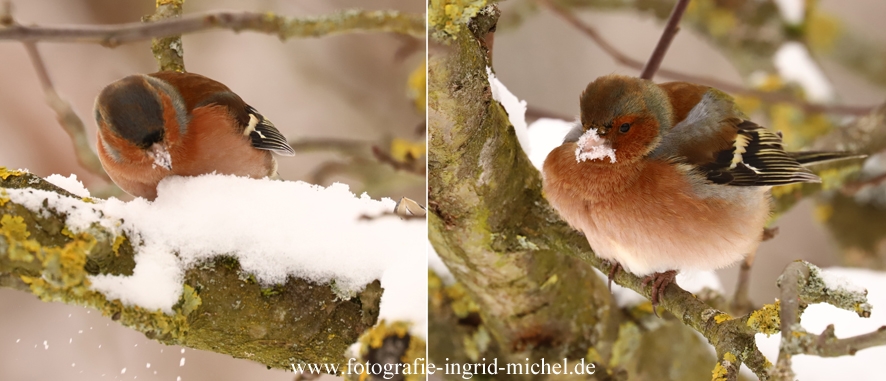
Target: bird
669	177
151	126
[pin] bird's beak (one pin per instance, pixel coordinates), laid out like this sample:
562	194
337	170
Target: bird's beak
161	156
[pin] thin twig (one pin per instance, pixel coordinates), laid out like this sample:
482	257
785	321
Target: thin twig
671	29
850	189
625	60
284	27
65	115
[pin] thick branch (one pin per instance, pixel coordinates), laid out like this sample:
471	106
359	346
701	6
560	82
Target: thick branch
290	322
282	26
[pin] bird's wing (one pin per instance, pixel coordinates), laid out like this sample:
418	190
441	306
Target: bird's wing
265	135
727	149
203	91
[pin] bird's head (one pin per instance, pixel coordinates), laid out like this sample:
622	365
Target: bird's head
622	118
131	113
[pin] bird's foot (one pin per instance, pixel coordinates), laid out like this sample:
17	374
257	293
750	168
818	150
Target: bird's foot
659	282
612	271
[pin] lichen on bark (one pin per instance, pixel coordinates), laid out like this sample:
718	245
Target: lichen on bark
222	309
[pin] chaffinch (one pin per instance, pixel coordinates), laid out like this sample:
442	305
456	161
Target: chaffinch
666	177
155	125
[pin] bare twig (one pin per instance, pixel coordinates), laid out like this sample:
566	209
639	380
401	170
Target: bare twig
850	189
284	27
671	29
625	60
168	51
66	116
801	283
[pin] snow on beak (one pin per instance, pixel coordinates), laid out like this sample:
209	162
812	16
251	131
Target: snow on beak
161	156
593	147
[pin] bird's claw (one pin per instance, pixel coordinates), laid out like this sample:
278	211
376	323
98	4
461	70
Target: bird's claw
660	281
612	271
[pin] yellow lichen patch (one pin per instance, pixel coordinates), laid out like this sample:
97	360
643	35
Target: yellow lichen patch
784	190
447	17
720	318
4	197
720	370
413	359
377	334
5	173
627	344
462	304
747	104
14	227
593	356
768	82
823	212
552	280
402	149
822	31
799	128
417	86
118	241
16	232
67	233
720	22
833	178
190	300
766	320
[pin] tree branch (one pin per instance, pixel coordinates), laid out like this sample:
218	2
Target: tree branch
625	60
38	253
670	31
801	282
168	50
66	116
282	26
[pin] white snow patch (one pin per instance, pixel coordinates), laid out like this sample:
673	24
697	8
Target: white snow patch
275	229
791	10
70	184
545	134
796	65
406	292
514	106
866	364
592	147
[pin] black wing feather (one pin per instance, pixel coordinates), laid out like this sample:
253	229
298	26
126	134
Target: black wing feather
758	158
265	135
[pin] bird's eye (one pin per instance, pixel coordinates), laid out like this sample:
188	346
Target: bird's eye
624	128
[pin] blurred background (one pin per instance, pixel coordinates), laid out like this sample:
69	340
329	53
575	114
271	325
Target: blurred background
547	62
343	88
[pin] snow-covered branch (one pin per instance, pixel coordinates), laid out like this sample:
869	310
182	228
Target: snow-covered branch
255	269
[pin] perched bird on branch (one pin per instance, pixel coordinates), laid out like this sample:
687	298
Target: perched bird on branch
668	177
151	126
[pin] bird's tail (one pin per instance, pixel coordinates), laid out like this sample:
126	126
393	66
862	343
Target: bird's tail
815	157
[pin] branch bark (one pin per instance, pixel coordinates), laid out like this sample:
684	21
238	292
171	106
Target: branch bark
282	26
292	322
